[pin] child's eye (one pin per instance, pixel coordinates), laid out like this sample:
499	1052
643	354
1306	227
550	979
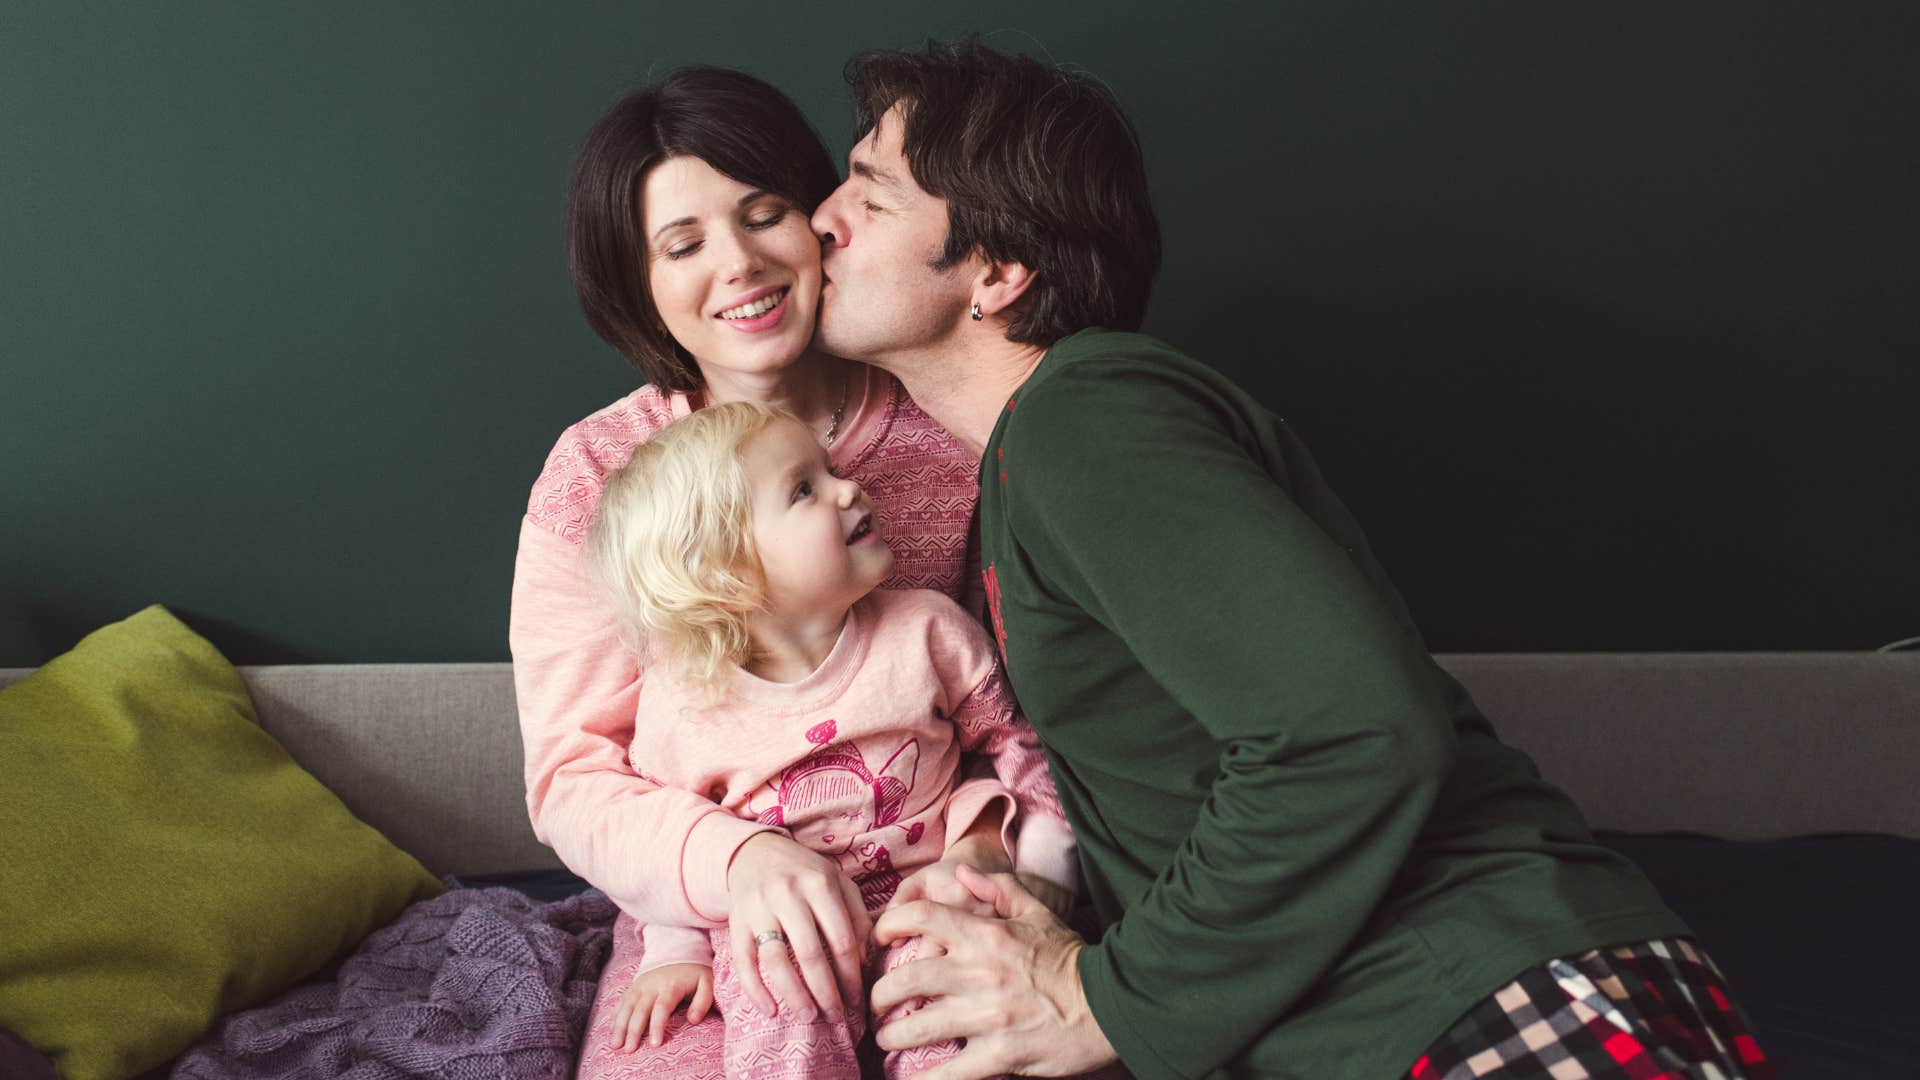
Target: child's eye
801	490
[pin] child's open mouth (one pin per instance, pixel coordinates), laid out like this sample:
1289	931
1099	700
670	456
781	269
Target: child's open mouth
861	531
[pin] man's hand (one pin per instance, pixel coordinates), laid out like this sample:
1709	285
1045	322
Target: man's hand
1009	985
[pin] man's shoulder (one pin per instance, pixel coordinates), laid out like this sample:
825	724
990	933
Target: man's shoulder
1097	379
1098	348
1114	366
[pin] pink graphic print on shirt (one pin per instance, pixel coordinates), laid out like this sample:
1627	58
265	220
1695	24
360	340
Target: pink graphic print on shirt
831	799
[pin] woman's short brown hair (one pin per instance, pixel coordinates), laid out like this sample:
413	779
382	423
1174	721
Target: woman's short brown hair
1038	166
738	124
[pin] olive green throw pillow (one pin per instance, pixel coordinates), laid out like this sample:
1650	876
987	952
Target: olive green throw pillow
162	860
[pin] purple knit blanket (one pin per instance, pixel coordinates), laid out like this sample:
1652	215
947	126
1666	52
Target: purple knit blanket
480	983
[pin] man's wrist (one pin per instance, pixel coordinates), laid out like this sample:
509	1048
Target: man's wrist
1070	998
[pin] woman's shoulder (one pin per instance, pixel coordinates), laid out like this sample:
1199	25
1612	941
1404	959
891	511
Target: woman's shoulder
909	422
904	434
564	497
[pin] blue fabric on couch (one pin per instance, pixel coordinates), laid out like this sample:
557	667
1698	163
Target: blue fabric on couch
1817	936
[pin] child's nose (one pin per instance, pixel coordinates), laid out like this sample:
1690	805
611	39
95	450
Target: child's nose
849	493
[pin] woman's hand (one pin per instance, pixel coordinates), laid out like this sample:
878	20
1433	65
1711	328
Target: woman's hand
646	1006
980	849
782	892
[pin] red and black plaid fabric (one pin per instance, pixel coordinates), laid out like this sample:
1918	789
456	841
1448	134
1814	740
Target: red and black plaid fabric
1657	1010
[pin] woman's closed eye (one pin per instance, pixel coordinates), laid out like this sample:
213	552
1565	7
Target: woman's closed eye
756	224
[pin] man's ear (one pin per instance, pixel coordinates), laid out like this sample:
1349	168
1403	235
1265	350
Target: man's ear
1000	285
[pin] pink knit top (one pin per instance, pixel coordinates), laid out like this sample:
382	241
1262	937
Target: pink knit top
661	851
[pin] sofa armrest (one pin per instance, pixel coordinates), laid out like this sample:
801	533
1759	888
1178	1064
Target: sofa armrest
1737	745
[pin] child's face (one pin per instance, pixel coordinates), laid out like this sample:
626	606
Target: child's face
819	543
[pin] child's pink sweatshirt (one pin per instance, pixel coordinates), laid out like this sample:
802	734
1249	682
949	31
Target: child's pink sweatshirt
860	760
661	853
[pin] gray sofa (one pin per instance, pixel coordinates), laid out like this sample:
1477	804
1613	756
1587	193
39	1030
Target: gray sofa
1749	748
1744	746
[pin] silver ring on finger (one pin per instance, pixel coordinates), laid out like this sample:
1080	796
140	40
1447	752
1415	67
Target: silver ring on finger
768	937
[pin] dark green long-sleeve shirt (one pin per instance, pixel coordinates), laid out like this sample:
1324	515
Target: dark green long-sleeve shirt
1309	852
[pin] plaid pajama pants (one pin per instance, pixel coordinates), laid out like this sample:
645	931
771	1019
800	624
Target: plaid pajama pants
1656	1010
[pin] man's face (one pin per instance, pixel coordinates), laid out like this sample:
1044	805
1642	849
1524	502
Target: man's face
883	302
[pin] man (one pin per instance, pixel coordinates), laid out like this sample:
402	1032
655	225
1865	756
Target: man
1308	853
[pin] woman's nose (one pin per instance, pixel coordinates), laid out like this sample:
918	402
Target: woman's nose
740	260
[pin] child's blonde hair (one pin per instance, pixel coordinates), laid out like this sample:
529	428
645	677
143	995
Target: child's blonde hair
673	547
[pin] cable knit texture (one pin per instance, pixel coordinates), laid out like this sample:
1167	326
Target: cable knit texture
476	983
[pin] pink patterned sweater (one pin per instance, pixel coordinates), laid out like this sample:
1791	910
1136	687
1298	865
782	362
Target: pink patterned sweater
860	760
661	851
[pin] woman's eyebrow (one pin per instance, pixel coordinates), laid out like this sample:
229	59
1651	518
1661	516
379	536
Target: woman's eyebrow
674	224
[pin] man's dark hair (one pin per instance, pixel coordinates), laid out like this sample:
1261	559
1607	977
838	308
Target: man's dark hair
741	126
1038	166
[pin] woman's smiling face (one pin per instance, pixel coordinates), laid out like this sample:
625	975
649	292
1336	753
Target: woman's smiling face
734	271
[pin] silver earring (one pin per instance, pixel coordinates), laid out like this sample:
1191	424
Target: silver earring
976	311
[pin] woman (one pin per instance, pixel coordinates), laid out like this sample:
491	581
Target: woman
689	246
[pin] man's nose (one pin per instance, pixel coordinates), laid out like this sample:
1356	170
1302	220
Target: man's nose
826	222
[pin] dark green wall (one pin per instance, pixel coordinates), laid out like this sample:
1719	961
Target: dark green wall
1600	315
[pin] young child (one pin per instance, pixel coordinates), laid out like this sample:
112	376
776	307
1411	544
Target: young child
784	686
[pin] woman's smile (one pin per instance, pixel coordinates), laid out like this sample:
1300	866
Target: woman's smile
762	313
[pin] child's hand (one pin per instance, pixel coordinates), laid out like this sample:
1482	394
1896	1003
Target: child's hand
980	850
645	1008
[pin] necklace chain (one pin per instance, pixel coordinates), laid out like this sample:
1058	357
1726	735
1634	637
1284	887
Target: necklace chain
846	383
697	400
